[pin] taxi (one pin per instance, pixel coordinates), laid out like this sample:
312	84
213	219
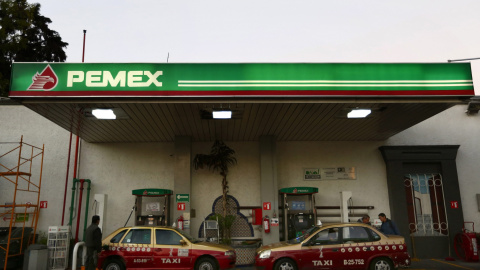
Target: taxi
336	246
159	247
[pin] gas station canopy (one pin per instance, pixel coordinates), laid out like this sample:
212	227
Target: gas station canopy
291	101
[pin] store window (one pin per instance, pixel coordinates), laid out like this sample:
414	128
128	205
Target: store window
426	204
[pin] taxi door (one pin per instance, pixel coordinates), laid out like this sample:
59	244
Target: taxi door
169	253
136	248
356	247
322	251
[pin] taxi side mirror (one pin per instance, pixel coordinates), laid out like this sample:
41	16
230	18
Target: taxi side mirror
183	242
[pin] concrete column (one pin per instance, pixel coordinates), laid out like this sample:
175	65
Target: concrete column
182	177
268	184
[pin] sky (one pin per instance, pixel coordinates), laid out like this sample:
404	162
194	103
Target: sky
227	31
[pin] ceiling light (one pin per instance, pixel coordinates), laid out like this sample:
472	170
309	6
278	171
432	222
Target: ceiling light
359	113
222	114
104	114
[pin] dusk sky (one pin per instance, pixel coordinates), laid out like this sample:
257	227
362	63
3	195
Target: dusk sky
268	31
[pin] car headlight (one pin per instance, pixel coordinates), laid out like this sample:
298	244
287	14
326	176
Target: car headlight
265	254
229	253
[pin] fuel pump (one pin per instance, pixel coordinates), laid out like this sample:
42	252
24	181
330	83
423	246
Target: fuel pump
152	206
299	212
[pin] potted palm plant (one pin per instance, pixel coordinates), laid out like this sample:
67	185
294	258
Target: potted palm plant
219	160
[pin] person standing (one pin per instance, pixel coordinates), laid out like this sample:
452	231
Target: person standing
364	219
93	241
388	226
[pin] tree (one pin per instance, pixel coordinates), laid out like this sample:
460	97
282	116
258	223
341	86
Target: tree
219	160
25	37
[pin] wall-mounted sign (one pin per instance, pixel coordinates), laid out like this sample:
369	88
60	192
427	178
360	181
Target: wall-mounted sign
80	80
267	206
181	206
43	204
454	204
182	197
332	173
21	217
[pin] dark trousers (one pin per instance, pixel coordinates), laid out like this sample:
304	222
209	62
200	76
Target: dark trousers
91	262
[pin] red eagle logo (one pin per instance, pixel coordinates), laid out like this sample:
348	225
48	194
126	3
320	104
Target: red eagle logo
47	80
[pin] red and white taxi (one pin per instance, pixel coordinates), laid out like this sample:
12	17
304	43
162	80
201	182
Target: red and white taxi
161	248
336	246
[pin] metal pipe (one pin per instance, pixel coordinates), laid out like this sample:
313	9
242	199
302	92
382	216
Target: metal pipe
66	177
73	201
86	208
79	209
75	250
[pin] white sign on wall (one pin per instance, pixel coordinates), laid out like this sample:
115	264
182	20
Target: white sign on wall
332	173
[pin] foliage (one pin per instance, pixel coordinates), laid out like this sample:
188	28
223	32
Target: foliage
25	37
42	238
219	160
225	225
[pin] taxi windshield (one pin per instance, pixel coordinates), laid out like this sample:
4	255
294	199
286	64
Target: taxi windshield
188	236
305	235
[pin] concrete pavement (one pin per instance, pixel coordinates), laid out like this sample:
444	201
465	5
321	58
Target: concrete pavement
423	264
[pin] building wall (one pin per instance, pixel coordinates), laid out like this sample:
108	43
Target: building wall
452	127
116	169
16	121
369	189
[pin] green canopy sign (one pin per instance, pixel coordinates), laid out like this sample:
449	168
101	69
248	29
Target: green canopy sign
299	190
151	192
240	80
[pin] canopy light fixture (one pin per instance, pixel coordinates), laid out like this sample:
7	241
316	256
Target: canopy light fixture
104	114
222	114
359	113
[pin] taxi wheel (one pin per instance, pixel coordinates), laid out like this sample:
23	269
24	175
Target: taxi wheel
285	264
114	264
381	264
206	264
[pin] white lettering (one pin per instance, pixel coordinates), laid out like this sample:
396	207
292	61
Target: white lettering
166	260
323	263
153	78
74	76
135	78
97	78
119	79
93	78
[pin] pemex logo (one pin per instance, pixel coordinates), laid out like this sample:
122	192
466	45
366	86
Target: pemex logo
47	80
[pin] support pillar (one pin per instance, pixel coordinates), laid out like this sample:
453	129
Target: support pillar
268	185
182	179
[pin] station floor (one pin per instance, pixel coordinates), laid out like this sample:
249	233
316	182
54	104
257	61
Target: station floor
422	264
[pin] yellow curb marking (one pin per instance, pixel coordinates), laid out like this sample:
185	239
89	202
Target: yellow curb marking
452	264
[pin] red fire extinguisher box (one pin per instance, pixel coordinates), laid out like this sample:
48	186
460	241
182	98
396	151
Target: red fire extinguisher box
257	216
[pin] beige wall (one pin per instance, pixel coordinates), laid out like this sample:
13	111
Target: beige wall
453	127
16	121
116	169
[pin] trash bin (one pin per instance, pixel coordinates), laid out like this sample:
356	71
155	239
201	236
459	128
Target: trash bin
36	257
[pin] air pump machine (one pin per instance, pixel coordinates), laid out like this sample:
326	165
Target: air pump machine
299	213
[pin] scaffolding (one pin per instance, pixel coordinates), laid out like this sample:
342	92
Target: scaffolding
21	167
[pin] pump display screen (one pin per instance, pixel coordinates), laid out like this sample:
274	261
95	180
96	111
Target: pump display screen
298	205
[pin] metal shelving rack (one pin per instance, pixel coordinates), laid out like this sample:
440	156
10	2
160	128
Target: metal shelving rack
21	167
58	246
